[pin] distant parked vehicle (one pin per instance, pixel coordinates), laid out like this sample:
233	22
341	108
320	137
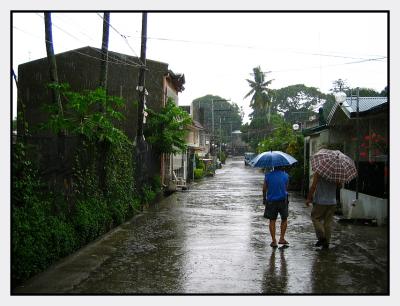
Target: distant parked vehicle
248	156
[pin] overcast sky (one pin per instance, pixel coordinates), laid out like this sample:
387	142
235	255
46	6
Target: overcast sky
217	51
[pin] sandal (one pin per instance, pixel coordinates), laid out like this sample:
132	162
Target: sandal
283	242
273	245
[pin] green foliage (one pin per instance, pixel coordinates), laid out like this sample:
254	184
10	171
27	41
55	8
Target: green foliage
156	183
286	140
120	184
222	157
200	163
229	114
90	114
297	101
384	92
148	194
38	235
39	238
260	93
259	129
166	130
91	219
198	173
48	225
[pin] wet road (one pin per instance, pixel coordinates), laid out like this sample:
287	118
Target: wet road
213	238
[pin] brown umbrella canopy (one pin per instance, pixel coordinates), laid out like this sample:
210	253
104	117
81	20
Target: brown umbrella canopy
334	166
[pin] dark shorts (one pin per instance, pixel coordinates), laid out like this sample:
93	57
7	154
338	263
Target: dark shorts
273	208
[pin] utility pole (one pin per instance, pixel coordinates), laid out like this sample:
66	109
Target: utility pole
104	50
103	148
212	114
212	118
140	144
220	136
52	60
358	140
141	84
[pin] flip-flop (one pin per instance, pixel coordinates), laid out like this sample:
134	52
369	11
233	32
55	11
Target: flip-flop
284	242
273	245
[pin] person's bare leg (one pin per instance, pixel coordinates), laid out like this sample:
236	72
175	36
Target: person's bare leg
283	231
272	230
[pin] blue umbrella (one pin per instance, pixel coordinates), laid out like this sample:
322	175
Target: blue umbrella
271	159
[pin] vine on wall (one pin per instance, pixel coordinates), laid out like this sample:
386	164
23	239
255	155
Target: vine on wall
45	226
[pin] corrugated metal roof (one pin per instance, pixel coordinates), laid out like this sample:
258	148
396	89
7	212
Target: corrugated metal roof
364	103
198	125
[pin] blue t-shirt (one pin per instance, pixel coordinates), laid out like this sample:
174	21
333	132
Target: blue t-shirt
277	181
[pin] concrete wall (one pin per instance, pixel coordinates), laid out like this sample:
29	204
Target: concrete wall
367	207
81	69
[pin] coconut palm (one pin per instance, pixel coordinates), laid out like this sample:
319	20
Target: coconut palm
259	90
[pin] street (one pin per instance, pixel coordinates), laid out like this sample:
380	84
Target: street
212	238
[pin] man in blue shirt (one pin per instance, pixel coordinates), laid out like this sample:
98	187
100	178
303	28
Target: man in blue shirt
275	198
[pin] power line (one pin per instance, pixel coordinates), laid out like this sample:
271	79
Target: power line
226	44
332	65
123	36
99	51
74	23
255	47
93	40
114	60
362	60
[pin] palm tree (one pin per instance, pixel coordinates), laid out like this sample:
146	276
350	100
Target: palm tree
260	92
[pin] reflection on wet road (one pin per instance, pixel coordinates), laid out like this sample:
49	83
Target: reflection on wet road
213	238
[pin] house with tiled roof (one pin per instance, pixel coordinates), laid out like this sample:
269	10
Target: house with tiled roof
366	142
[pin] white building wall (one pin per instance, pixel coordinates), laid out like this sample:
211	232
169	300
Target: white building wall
367	207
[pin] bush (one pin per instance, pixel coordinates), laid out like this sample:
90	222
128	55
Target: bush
37	240
39	236
91	219
48	224
198	173
222	157
286	140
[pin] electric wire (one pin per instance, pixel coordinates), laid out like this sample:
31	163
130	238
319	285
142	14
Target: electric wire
124	38
117	61
254	47
362	60
113	60
331	65
149	77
